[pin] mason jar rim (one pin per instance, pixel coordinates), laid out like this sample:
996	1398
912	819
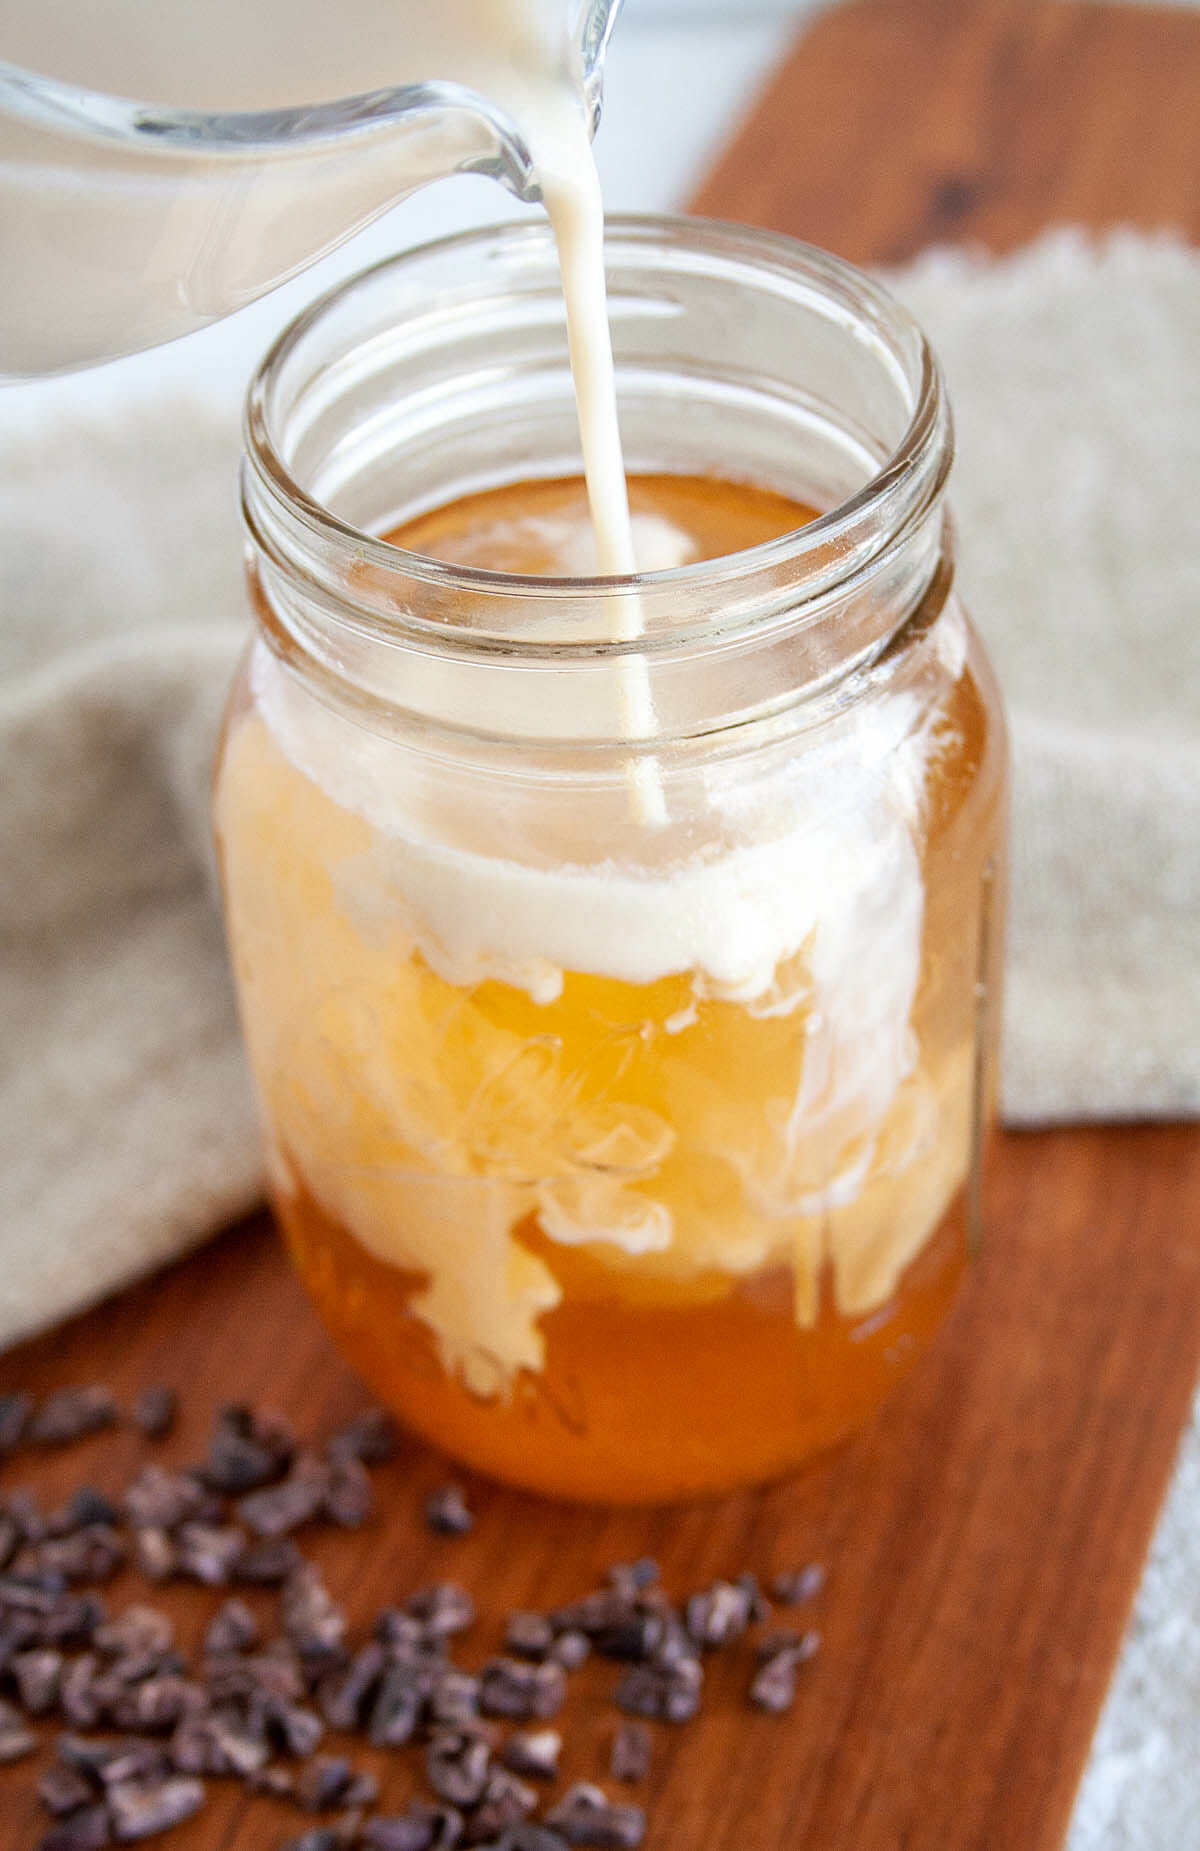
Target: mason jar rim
838	545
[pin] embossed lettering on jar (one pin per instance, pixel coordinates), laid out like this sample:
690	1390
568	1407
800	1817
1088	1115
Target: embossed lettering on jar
624	1095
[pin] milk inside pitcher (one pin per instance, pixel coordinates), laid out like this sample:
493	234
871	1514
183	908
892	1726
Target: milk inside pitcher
162	164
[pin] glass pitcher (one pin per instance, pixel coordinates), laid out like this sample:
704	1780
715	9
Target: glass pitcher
128	223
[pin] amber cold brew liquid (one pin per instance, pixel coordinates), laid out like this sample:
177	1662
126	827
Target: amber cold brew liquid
607	1237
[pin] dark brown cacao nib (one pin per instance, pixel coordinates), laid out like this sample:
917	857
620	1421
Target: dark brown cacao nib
16	1410
533	1753
209	1552
528	1635
398	1707
322	1784
312	1620
443	1609
140	1808
267	1564
506	1802
371	1437
72	1414
661	1693
629	1755
37	1674
64	1789
457	1765
154	1411
421	1828
446	1511
233	1628
796	1586
159	1499
248	1449
586	1816
89	1830
719	1615
521	1691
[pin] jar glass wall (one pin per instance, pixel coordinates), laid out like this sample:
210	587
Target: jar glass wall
622	1014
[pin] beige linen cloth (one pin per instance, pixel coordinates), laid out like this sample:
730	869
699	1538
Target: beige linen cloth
126	1124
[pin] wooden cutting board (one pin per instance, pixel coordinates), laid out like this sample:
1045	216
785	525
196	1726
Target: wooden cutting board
985	1538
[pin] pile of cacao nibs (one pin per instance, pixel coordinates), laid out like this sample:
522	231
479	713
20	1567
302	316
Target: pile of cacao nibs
142	1728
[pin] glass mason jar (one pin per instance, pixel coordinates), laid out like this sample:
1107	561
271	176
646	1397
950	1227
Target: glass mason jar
623	1014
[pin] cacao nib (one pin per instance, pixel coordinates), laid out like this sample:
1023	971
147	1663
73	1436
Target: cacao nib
208	1552
154	1411
629	1579
25	1512
398	1707
84	1506
89	1757
233	1628
278	1783
774	1685
16	1409
81	1695
92	1554
795	1586
161	1703
521	1691
298	1730
88	1830
443	1609
321	1785
72	1414
586	1816
158	1499
132	1760
719	1615
248	1449
661	1693
139	1808
629	1755
528	1635
136	1629
371	1437
279	1509
570	1649
64	1789
268	1564
506	1801
633	1637
37	1675
421	1828
32	1593
457	1765
348	1500
312	1620
533	1753
16	1737
446	1511
529	1837
156	1554
454	1698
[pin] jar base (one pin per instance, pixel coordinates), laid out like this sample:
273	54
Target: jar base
636	1404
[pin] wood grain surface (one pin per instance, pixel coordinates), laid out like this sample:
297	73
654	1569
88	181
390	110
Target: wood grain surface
901	123
985	1537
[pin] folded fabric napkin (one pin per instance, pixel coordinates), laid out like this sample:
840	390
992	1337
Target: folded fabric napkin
126	1120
